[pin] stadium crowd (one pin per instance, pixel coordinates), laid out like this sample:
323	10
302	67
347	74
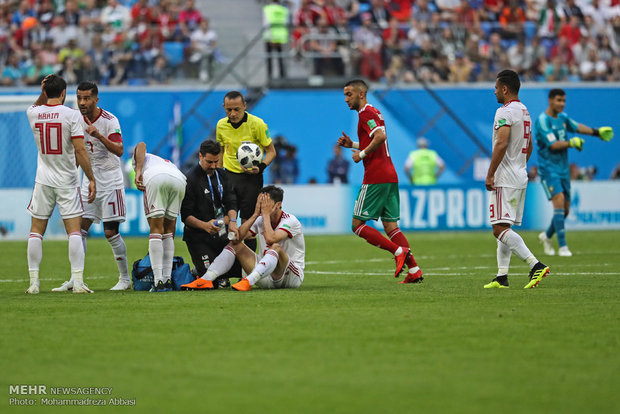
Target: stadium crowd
465	40
109	42
151	41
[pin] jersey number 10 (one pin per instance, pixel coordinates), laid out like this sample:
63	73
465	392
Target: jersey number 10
50	134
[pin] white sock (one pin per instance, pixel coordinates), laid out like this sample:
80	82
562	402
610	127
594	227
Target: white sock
398	251
413	270
156	253
35	255
264	268
168	245
76	258
221	264
120	255
503	258
84	234
515	243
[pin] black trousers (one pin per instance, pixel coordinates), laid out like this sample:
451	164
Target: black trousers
246	188
204	252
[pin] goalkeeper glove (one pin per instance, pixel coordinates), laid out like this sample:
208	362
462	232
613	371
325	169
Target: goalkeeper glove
604	133
576	143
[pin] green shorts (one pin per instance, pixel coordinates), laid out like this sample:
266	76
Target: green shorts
376	201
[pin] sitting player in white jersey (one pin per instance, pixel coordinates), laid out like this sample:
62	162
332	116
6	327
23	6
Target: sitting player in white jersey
104	143
59	137
281	261
164	188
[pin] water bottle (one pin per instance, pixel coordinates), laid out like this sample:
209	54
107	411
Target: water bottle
220	223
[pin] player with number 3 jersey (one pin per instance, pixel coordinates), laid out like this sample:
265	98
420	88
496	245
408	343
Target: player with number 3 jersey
378	197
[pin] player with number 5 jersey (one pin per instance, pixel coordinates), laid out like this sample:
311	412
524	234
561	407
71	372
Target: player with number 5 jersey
507	179
378	197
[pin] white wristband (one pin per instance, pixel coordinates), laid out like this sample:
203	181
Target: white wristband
355	145
362	154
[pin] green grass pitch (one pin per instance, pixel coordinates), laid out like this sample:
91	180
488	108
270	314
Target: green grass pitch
350	340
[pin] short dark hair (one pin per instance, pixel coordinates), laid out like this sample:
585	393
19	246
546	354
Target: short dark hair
510	78
88	86
357	83
54	85
275	193
210	147
556	92
234	95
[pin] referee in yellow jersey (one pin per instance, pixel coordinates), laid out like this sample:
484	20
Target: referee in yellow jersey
236	128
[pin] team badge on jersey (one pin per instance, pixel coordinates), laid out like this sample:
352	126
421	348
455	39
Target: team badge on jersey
372	124
500	123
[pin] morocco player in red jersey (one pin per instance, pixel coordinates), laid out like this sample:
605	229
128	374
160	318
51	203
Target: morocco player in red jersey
378	197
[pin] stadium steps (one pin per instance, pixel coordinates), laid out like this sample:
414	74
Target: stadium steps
235	30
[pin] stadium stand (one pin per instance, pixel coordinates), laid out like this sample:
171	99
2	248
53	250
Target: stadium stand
398	41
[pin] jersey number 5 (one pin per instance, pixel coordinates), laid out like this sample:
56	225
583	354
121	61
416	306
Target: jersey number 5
50	134
526	135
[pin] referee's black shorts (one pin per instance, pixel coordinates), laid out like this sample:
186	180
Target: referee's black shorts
246	187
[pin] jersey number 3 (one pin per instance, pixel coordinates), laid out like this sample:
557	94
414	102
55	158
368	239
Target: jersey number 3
526	135
50	134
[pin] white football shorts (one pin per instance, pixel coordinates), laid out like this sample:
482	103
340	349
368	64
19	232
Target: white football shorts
292	278
506	205
45	198
163	196
109	205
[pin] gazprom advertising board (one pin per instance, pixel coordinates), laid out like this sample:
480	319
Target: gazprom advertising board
327	209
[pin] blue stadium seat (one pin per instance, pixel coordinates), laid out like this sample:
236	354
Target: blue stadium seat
174	52
530	30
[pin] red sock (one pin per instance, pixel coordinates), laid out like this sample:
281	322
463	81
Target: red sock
399	238
375	238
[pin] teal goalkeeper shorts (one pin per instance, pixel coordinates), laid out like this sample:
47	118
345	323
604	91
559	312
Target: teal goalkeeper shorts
376	201
553	186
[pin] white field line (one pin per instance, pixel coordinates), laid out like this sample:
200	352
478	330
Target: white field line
434	271
318	272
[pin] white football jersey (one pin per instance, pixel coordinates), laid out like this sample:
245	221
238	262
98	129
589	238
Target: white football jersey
54	127
294	245
512	171
154	165
106	165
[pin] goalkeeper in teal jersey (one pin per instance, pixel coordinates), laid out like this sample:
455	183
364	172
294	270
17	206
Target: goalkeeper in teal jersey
550	132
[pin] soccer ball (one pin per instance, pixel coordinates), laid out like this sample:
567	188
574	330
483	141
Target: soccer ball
249	155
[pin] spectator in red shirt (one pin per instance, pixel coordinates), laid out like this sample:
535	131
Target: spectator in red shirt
141	8
401	9
571	30
167	17
305	19
333	12
189	18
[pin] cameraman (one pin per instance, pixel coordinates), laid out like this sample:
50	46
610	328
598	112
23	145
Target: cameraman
208	198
